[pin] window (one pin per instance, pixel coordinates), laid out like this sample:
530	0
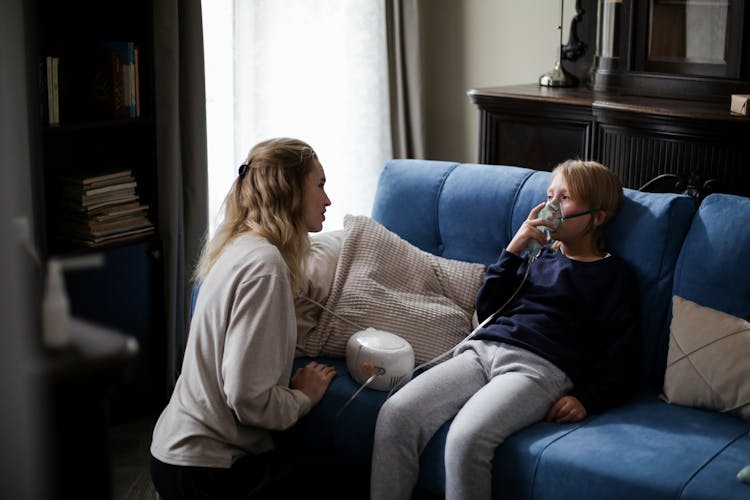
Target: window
316	71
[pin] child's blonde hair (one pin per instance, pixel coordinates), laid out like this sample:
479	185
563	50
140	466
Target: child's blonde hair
594	185
267	198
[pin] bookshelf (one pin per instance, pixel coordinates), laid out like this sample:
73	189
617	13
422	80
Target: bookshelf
96	109
96	119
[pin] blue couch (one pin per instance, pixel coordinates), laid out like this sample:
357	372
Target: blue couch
643	449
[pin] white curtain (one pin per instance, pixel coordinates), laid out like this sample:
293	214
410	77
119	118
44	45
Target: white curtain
314	70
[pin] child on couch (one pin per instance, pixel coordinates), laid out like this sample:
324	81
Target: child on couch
563	348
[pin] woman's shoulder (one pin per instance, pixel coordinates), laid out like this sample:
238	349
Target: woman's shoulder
254	254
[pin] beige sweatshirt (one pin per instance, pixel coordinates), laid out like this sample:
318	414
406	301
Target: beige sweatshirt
234	385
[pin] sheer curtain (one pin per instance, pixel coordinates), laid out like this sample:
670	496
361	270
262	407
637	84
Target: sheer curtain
317	71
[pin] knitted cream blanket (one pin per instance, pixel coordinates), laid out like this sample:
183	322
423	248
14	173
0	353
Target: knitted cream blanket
384	282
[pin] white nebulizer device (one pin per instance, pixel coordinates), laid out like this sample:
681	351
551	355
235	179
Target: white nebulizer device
382	356
552	212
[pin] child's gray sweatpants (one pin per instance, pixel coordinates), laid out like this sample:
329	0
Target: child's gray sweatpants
492	389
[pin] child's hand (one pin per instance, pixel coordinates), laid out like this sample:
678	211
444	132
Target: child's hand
529	230
313	380
566	409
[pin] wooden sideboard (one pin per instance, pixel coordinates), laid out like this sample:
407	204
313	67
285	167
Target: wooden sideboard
653	144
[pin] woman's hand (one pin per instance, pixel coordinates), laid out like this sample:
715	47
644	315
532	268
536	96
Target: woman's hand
529	230
313	380
566	409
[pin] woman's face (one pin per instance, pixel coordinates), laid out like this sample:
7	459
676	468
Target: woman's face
315	199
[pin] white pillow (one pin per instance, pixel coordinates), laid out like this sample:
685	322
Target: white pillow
325	248
708	365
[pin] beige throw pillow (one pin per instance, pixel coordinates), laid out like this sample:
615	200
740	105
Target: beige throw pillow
708	365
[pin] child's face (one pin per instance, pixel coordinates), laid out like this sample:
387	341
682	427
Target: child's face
571	228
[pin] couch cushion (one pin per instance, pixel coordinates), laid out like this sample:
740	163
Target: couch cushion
712	268
455	211
647	232
407	198
646	449
475	208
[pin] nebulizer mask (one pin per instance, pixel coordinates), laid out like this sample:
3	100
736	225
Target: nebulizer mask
552	212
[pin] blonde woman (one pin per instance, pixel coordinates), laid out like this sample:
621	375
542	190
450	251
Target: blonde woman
214	439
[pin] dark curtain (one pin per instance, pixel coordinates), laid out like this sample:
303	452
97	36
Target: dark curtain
181	158
405	35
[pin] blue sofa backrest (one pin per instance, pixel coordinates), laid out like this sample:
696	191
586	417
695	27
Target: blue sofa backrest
470	212
712	269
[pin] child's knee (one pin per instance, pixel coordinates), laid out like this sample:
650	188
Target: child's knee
465	444
395	414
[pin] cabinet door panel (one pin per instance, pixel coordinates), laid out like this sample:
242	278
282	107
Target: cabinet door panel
706	162
537	144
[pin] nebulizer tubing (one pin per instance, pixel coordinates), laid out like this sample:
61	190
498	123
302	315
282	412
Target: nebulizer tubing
328	309
579	214
453	349
378	372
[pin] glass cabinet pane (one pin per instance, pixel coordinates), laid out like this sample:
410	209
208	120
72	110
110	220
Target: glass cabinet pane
693	37
692	31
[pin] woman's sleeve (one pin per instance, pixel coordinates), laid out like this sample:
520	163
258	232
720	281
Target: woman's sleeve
258	354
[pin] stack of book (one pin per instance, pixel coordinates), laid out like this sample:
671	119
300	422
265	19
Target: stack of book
102	208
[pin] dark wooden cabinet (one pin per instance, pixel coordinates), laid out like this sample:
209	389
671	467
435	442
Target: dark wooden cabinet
652	143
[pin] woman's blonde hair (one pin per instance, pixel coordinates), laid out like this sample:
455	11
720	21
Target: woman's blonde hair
595	186
267	198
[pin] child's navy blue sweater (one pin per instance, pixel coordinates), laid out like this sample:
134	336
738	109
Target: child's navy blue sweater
581	316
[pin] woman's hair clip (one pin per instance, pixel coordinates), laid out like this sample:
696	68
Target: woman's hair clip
243	170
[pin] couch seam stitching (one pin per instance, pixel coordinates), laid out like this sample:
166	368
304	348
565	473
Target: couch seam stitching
539	457
436	208
711	459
